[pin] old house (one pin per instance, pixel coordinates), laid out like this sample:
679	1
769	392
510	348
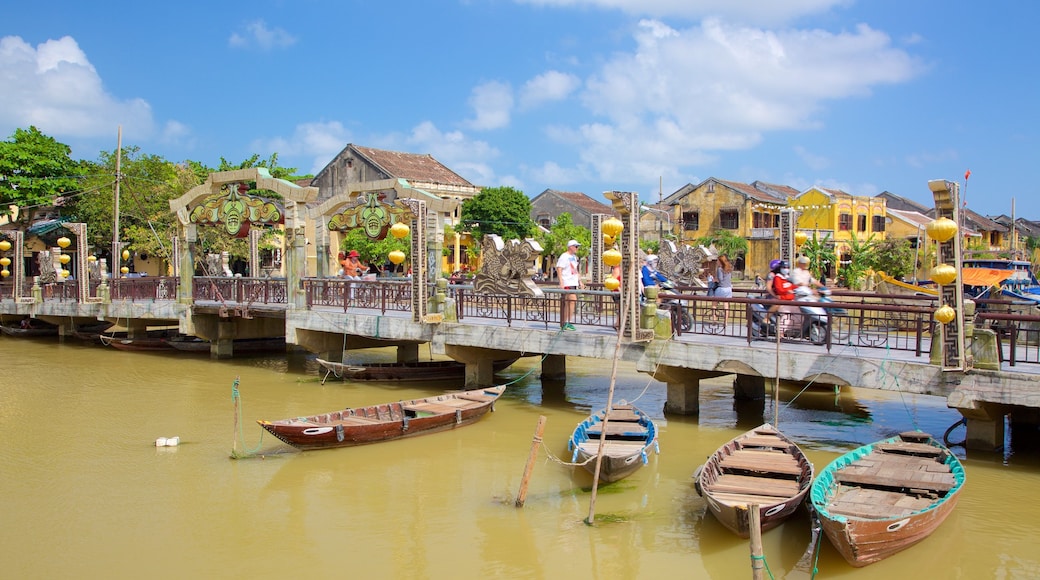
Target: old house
841	216
549	204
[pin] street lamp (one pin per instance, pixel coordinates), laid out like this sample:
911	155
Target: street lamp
667	216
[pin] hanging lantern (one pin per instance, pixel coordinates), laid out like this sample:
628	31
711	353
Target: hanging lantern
5	245
611	283
92	258
396	257
612	227
800	238
945	314
5	261
612	258
125	270
400	230
64	242
5	272
64	274
64	258
942	229
943	274
608	240
126	254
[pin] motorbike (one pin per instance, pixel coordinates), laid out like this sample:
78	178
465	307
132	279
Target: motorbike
666	303
800	321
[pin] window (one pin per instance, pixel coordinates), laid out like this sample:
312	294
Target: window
879	223
729	219
545	221
845	222
691	220
861	222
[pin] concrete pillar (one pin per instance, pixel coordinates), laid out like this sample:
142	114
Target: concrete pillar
554	367
408	352
749	388
684	397
480	363
221	348
985	429
984	350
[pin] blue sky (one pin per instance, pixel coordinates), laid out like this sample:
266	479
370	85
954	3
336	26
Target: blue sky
574	95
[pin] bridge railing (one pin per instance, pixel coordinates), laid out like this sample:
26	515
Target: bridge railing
382	295
592	307
240	290
147	288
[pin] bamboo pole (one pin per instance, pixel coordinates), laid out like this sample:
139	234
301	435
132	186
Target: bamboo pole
755	525
535	443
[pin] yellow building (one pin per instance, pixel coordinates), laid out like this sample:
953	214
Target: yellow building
841	216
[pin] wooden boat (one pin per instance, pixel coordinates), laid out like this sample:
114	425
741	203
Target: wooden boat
153	340
34	328
384	422
431	370
761	466
630	436
240	346
884	497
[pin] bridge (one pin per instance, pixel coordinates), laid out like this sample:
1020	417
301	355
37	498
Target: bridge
871	341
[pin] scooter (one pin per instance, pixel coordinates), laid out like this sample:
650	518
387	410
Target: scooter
666	303
800	321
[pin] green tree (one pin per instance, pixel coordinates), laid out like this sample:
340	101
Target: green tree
563	230
854	270
498	210
893	257
375	251
726	242
821	255
35	171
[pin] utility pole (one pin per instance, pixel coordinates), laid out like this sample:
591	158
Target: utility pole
114	267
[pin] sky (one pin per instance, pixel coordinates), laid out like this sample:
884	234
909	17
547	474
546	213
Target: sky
573	95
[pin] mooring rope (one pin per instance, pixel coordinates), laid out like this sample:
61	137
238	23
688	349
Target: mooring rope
235	454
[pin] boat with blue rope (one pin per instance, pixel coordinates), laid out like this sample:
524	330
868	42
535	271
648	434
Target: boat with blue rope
627	436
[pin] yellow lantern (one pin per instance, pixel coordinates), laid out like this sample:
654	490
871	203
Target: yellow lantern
397	257
92	258
608	240
5	273
5	245
612	227
64	258
611	283
64	242
612	258
126	254
64	273
800	238
945	314
942	229
5	261
400	230
943	274
125	270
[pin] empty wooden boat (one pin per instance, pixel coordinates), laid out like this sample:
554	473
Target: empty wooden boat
630	436
376	423
426	371
885	497
760	467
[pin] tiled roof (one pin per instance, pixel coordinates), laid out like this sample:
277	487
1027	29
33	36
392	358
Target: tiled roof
776	189
750	191
583	201
411	166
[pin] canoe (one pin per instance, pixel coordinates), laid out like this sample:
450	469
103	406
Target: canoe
886	496
239	346
349	427
153	340
430	370
630	436
760	467
37	328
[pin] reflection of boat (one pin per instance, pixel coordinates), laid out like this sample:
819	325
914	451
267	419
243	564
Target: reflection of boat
432	370
384	422
239	346
884	497
630	435
152	340
760	467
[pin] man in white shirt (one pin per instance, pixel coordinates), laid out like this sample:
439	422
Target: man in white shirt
570	279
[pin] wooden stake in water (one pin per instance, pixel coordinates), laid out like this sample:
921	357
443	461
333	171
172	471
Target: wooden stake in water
755	525
535	444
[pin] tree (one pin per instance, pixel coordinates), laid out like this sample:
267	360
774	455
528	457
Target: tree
35	170
554	242
894	257
821	255
374	251
498	210
726	242
852	272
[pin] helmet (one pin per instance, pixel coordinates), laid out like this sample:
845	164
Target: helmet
774	265
780	265
651	259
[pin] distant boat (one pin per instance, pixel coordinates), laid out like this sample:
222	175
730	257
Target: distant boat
238	346
760	467
886	496
631	436
34	328
432	370
376	423
151	341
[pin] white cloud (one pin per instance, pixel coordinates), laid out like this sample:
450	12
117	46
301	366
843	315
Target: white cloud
492	103
469	158
749	11
683	94
258	34
55	88
549	86
318	140
176	133
811	160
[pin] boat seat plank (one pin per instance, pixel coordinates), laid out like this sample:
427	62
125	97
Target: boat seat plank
622	414
762	461
430	408
456	402
754	485
477	397
619	429
350	420
909	448
941	482
764	441
875	503
735	499
612	448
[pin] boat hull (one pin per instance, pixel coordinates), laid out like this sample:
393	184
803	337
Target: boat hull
868	515
424	371
760	467
350	427
631	436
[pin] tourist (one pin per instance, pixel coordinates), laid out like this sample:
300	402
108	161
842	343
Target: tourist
570	279
650	274
724	278
352	266
780	287
801	276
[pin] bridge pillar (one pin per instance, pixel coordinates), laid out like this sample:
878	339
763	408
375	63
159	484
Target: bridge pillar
554	367
480	363
985	429
749	388
684	388
408	352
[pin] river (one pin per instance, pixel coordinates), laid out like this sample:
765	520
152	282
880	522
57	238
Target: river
85	493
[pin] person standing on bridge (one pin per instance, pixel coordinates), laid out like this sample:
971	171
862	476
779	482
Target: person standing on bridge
570	279
352	266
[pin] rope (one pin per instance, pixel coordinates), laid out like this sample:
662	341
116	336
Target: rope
235	454
764	562
946	435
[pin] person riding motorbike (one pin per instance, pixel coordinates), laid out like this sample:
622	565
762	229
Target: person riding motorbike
651	277
780	286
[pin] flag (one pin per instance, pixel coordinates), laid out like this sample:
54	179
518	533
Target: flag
967	174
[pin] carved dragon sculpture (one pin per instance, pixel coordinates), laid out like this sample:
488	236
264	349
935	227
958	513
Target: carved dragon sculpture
507	267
